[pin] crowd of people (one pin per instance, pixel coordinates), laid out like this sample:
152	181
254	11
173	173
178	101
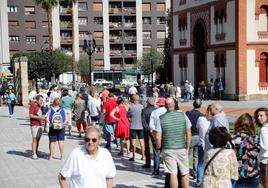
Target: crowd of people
220	158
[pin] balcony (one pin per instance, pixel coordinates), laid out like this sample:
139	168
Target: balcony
130	24
65	10
115	24
66	40
116	53
129	10
131	53
115	39
115	10
66	24
130	39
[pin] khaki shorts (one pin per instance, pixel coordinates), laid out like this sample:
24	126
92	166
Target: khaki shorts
69	116
36	131
174	158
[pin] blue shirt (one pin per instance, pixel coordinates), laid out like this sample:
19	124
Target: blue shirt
11	97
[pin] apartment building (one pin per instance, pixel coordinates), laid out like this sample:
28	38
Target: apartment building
123	29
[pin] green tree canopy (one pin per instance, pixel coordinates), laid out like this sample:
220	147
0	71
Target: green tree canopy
145	62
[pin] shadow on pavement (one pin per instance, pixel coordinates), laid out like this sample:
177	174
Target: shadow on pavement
28	153
4	116
124	186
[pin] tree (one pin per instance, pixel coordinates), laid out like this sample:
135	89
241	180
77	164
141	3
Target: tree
145	62
82	66
48	5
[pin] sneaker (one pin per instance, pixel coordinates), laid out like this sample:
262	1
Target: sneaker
34	157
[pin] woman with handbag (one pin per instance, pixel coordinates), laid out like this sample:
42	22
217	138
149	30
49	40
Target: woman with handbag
11	101
122	129
221	164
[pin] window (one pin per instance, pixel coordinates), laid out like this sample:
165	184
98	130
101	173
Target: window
82	21
13	23
98	20
45	24
146	34
82	35
82	6
146	20
29	10
97	6
99	49
183	66
160	7
220	62
12	8
161	21
263	68
30	25
14	38
98	34
161	34
99	62
146	7
147	48
30	39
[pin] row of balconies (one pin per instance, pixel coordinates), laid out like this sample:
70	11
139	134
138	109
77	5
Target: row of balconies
65	24
119	24
131	53
65	10
120	39
125	10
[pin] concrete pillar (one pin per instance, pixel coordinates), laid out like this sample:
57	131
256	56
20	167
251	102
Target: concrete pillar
24	80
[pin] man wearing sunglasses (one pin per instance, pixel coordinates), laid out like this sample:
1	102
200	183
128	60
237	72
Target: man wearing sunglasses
89	166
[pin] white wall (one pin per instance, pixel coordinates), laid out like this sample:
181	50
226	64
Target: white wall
230	80
106	35
176	70
211	71
139	28
76	32
229	25
56	26
176	34
190	69
253	26
189	4
4	34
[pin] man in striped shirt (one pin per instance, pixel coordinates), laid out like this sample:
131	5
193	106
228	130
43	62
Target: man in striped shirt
174	139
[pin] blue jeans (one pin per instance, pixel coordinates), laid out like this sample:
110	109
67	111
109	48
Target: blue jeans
10	108
108	130
248	183
194	152
200	166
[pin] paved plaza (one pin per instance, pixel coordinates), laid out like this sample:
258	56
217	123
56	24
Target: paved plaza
19	170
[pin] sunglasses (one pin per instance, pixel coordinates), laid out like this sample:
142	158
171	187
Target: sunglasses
93	140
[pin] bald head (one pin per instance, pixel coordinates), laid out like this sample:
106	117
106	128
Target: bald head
135	98
170	104
93	130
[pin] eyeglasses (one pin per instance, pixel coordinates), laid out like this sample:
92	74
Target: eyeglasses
93	140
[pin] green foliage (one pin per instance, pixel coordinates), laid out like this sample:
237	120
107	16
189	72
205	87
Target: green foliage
44	65
47	4
145	62
82	67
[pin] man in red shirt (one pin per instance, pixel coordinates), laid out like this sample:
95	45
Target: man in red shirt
109	121
36	119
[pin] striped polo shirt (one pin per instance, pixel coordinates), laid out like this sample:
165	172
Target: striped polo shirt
173	125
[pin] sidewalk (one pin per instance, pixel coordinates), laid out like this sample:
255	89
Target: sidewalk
19	170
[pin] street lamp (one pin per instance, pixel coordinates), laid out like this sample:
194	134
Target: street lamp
89	48
152	71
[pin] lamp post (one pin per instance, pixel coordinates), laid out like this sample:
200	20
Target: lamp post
152	71
89	48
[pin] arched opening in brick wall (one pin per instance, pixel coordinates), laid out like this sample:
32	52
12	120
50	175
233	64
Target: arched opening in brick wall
263	67
200	48
263	19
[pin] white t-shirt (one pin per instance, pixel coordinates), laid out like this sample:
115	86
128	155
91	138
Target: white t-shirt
32	95
94	105
263	155
132	91
155	117
158	127
54	95
85	172
202	125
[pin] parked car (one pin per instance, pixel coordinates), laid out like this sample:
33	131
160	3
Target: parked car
128	82
102	82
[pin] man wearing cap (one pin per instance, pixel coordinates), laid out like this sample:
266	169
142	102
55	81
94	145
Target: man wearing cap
146	113
193	115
